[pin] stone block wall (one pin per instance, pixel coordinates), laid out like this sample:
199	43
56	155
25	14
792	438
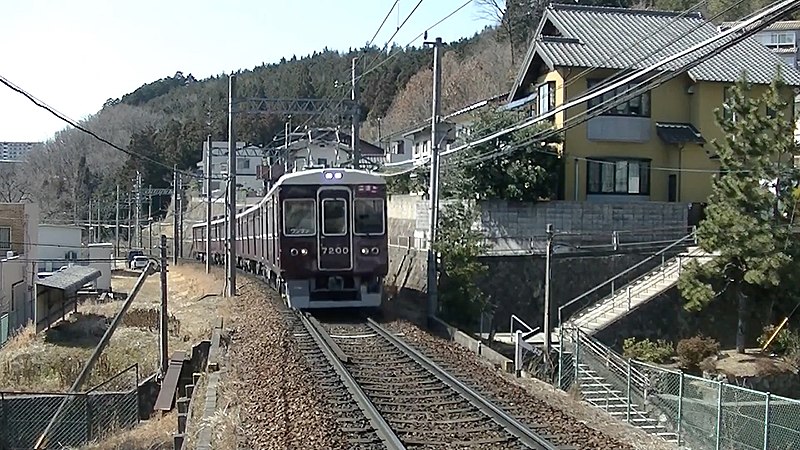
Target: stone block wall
516	283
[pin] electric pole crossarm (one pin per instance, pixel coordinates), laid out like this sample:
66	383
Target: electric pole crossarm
299	106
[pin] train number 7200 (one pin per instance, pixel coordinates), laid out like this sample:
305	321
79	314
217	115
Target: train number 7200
334	250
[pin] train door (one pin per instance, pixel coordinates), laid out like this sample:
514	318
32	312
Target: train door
335	239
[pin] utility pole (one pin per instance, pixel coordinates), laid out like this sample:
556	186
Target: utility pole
163	314
208	204
354	139
175	214
97	232
90	234
150	219
130	220
433	295
180	216
116	225
547	269
231	291
138	231
286	128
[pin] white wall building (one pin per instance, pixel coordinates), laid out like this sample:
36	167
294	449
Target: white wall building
18	253
60	246
16	151
248	158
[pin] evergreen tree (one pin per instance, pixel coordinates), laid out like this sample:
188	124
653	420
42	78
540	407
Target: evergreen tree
746	219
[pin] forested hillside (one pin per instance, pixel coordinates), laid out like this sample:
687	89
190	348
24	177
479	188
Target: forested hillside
168	119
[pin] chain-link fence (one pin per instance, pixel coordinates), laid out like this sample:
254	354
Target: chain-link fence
692	411
86	416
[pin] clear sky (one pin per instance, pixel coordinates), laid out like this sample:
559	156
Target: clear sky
75	54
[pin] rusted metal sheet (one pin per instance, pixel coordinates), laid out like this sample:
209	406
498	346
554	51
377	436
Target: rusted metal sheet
169	386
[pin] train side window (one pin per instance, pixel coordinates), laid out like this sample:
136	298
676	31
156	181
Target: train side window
334	219
299	218
368	216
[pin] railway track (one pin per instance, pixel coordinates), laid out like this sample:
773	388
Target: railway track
403	399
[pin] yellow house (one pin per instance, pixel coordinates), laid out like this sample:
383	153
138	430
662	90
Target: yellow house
654	147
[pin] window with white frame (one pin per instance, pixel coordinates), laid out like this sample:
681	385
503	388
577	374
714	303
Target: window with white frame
5	238
618	176
546	97
242	163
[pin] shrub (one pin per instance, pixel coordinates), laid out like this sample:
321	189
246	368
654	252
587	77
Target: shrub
692	351
785	342
658	352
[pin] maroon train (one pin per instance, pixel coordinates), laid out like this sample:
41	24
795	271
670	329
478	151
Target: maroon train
319	236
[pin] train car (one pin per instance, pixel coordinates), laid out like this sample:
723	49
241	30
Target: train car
319	236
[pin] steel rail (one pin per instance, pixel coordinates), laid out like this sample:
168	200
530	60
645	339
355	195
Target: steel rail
511	424
382	429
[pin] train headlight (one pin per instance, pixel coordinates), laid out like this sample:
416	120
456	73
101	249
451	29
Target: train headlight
375	250
293	252
364	251
303	251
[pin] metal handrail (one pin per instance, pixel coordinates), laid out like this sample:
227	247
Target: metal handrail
634	287
667	268
615	362
610	281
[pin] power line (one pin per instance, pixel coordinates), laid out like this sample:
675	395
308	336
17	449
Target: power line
382	23
77	126
786	7
585	96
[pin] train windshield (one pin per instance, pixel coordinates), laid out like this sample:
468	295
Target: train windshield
299	218
369	216
334	217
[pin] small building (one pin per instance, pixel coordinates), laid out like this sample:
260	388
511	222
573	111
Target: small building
655	146
455	128
318	147
248	159
61	247
17	151
57	295
18	247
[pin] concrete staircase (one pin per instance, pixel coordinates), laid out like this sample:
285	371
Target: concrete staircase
603	395
636	293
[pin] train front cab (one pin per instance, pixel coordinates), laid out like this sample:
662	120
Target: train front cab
341	237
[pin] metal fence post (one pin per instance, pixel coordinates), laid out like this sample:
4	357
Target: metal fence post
4	431
560	356
719	415
518	353
136	390
628	393
88	417
766	421
577	357
680	406
629	298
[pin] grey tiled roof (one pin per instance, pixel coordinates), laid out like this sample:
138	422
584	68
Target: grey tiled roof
71	279
783	25
679	133
617	38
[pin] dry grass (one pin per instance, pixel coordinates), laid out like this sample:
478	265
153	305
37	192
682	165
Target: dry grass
51	360
153	434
